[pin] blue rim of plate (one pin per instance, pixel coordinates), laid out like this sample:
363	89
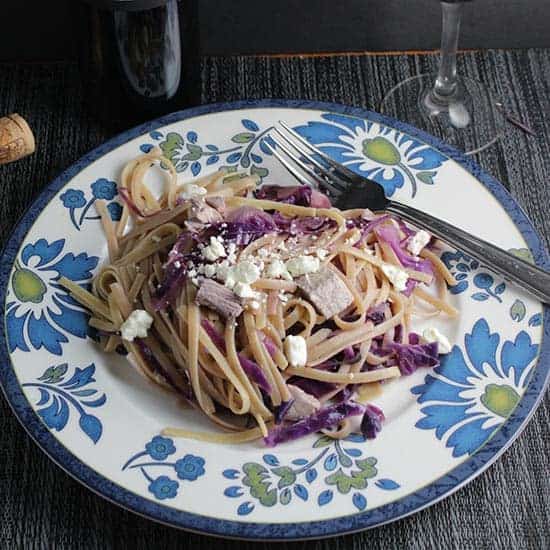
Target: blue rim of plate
412	503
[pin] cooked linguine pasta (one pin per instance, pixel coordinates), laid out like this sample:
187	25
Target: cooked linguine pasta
268	310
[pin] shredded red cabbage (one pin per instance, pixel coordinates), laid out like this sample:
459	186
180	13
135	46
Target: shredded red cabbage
377	314
255	373
123	192
215	336
280	412
300	195
327	417
301	226
270	346
372	421
316	388
413	356
389	234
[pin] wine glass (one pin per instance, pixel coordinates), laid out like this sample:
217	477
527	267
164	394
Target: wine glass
459	110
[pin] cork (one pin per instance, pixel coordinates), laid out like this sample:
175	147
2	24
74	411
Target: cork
16	138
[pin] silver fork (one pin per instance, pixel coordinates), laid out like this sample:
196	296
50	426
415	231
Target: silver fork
350	190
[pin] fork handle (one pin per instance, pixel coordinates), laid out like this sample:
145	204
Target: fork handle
533	279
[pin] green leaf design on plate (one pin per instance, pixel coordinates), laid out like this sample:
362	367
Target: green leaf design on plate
171	145
426	177
243	137
195	152
323	441
518	310
53	375
257	478
344	482
382	151
288	477
261	172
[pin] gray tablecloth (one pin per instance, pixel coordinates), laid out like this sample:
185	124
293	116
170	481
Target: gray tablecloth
506	507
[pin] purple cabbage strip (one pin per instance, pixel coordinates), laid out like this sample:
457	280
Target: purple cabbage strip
156	367
252	370
327	417
270	345
300	195
301	226
377	314
280	412
389	234
214	334
317	388
255	373
372	421
413	356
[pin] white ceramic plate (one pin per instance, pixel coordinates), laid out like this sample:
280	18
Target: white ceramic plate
101	421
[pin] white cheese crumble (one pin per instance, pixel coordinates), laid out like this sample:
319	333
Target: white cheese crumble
209	270
296	351
418	241
214	250
321	253
243	290
191	191
397	277
302	265
277	269
243	272
136	326
431	334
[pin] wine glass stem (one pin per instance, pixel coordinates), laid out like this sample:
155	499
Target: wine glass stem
446	82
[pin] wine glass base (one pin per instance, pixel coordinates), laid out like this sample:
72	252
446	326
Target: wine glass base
469	120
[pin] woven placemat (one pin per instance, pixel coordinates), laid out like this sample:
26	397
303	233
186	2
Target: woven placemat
506	507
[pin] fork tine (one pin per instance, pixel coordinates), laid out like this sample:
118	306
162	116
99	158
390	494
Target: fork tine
318	168
322	182
293	171
346	172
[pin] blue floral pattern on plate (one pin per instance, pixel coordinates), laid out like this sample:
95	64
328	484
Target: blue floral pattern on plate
390	157
39	313
61	394
472	393
159	449
339	469
246	150
79	206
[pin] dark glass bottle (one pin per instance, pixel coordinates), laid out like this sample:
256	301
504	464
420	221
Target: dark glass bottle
139	58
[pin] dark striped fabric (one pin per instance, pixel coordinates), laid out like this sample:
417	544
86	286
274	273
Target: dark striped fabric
506	507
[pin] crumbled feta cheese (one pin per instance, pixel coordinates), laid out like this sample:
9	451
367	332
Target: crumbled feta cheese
254	304
277	269
263	252
214	250
136	326
284	297
195	281
418	241
397	277
177	264
296	351
303	265
209	270
192	273
191	191
431	334
321	253
243	290
243	272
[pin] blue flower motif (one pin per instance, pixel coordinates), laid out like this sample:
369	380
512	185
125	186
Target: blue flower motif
104	189
73	198
159	448
189	467
386	155
163	487
469	396
59	397
462	268
41	313
115	211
